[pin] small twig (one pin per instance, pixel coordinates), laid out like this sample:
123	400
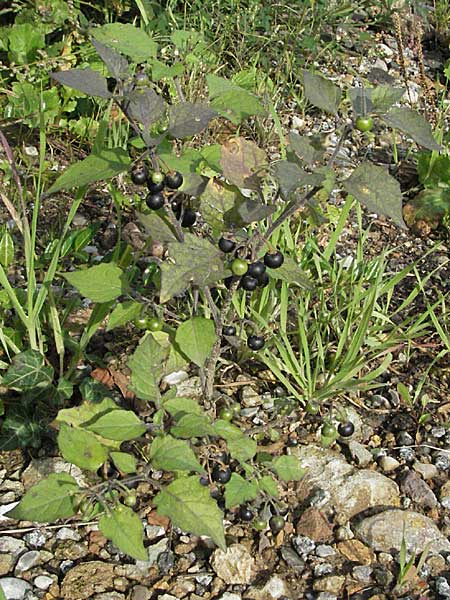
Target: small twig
212	305
12	211
177	85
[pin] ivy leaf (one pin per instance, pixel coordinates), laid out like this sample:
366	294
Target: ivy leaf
147	368
124	462
413	125
169	454
321	92
196	261
127	39
48	500
124	528
238	490
188	119
190	507
116	64
145	106
119	425
192	425
380	192
28	371
288	468
84	80
243	163
196	338
101	283
81	448
123	313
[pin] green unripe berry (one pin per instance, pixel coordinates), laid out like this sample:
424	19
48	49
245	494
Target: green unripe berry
154	324
239	267
364	124
157	177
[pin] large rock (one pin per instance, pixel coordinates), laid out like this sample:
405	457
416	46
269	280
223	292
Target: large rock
235	566
351	490
87	579
383	532
14	588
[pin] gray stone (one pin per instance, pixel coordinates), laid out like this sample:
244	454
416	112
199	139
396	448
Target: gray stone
35	539
444	495
441	461
403	438
303	545
66	533
292	559
14	588
323	569
153	552
40	468
418	490
154	531
235	566
407	454
427	470
443	587
389	463
273	589
11	545
109	596
250	397
140	592
383	532
323	550
344	533
362	573
27	561
43	582
438	432
230	596
359	453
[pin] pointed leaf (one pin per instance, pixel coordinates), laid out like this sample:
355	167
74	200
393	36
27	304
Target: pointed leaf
123	314
269	485
127	39
227	430
321	92
242	448
304	149
124	528
238	490
145	106
6	249
413	125
147	368
244	164
101	283
380	192
119	425
192	425
27	372
288	468
116	64
217	203
48	500
158	227
187	119
87	411
124	462
84	80
196	338
384	96
178	406
81	448
231	101
190	507
169	454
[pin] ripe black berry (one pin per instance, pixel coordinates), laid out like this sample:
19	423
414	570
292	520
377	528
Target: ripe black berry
249	283
154	188
155	201
245	514
255	342
173	180
274	260
229	330
263	280
226	245
189	217
204	480
276	523
139	176
221	475
256	269
346	429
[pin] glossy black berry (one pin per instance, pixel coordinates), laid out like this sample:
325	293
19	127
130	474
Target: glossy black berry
245	513
229	330
273	261
255	342
249	283
226	245
153	187
263	280
204	480
173	180
155	201
346	429
222	457
189	218
256	269
221	475
276	523
139	176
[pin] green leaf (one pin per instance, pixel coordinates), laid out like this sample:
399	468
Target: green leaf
147	368
289	177
105	165
227	430
127	39
81	448
217	203
269	485
124	462
238	490
384	96
123	313
242	448
380	192
231	101
101	283
304	149
145	106
292	274
28	371
243	163
288	468
196	338
162	71
169	454
413	125
190	507
116	64
48	500
24	41
179	405
158	227
188	119
196	261
2	593
124	528
192	425
321	92
87	411
6	249
119	425
84	80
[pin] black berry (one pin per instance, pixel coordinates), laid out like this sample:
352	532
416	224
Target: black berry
255	342
153	187
226	245
229	330
189	217
139	176
221	475
263	280
276	523
204	480
249	283
256	269
274	260
155	201
346	429
245	514
173	180
111	84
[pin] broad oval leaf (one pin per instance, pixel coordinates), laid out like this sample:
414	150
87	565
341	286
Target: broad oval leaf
124	528
242	448
50	499
231	101
178	406
321	92
192	425
145	106
243	163
238	490
188	118
84	80
147	367
124	462
217	203
169	454
119	425
28	371
101	283
196	338
123	313
190	507
116	64
127	39
413	125
81	448
288	468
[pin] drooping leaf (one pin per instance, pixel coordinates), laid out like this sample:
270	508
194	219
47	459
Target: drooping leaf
85	412
289	176
384	96
100	283
413	125
127	39
158	227
147	368
292	274
217	202
123	313
192	425
380	192
188	119
28	371
119	425
124	462
249	211
104	165
145	106
238	490
195	338
189	506
304	148
321	92
116	64
169	454
231	101
84	80
81	448
124	528
6	249
48	500
243	163
196	261
361	99
288	468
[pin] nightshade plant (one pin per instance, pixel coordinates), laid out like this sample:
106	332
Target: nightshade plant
220	189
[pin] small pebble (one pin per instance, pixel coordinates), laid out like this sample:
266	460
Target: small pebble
388	464
43	582
303	545
362	573
323	550
407	454
344	533
441	461
438	432
443	587
320	498
403	438
35	539
323	569
66	533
